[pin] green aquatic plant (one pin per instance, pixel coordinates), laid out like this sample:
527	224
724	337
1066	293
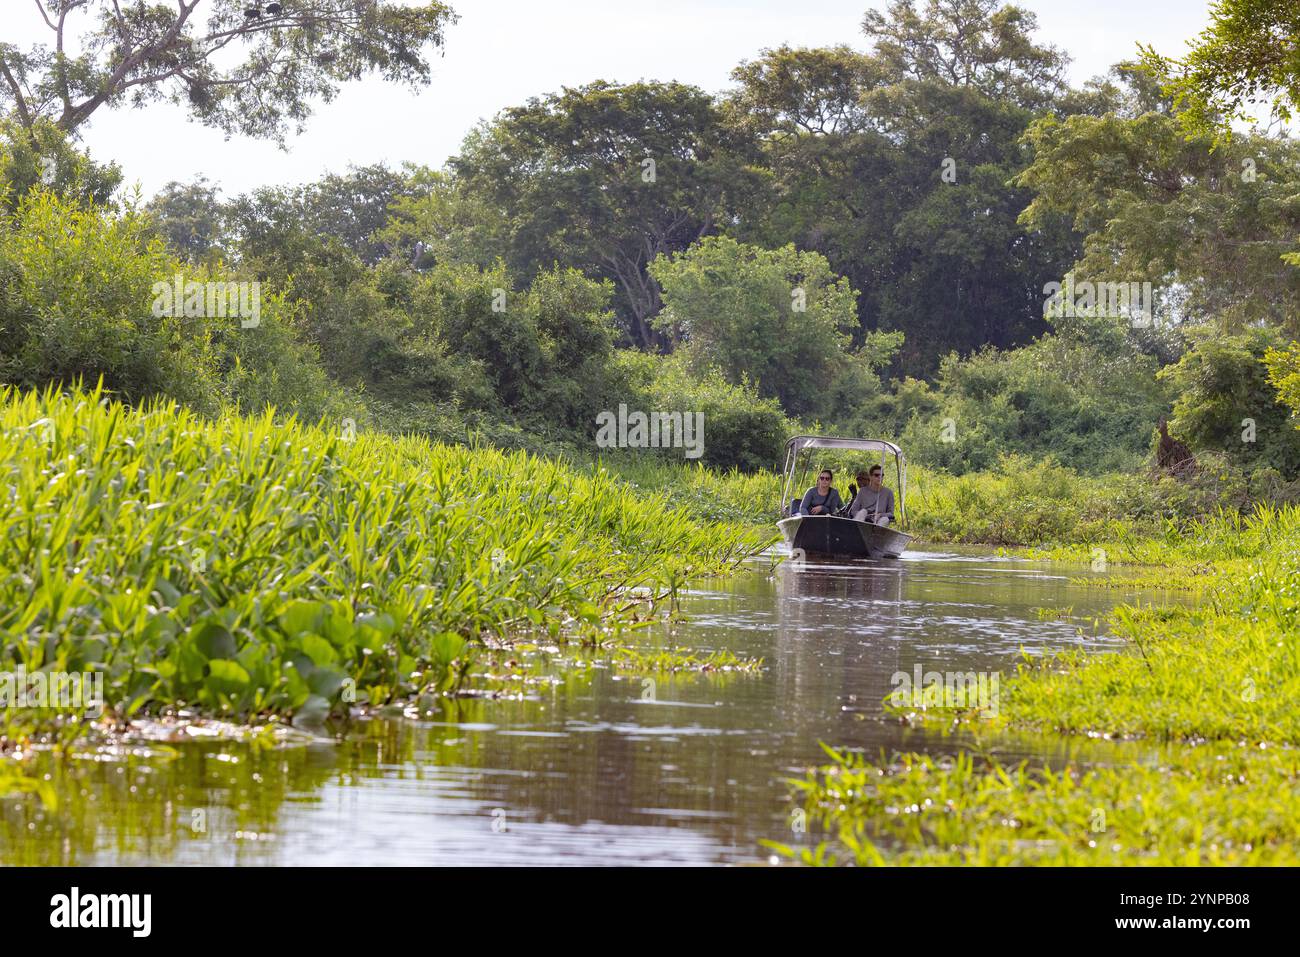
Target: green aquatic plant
1213	685
637	661
1196	806
247	566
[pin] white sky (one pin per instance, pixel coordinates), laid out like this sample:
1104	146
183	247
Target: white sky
503	51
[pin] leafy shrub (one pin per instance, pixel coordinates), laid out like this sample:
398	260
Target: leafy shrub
741	430
1086	405
1228	399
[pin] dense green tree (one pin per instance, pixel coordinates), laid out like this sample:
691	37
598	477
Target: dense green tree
188	216
1248	56
975	44
741	429
351	208
1208	228
1085	399
1227	403
777	318
79	300
136	53
604	178
43	157
894	164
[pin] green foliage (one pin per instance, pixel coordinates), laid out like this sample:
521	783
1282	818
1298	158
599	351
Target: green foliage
1207	229
1227	403
242	566
1246	57
1207	806
1283	365
733	496
1088	404
43	157
252	75
741	429
895	165
188	217
1135	516
77	291
779	318
1215	682
603	178
541	354
78	298
352	208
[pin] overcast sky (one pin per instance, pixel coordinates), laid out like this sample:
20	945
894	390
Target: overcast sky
503	51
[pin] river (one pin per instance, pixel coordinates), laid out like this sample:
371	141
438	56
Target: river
587	767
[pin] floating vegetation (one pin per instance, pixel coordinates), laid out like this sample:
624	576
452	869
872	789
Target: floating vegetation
644	661
1201	806
1215	685
245	567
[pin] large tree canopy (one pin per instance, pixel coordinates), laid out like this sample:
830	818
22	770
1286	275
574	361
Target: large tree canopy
605	178
1247	57
241	66
895	165
969	43
1209	228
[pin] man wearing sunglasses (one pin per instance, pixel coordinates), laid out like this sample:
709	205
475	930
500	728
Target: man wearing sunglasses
873	503
821	499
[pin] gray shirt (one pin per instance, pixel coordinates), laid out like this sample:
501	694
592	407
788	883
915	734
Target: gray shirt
812	499
876	503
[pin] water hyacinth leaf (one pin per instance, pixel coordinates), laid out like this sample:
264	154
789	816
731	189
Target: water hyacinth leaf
339	631
325	682
445	648
312	712
212	640
330	559
370	639
320	651
382	623
191	664
227	677
303	616
168	593
293	688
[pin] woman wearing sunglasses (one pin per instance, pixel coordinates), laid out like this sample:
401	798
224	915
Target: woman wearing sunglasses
821	499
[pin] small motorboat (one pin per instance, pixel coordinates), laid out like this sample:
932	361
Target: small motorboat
840	536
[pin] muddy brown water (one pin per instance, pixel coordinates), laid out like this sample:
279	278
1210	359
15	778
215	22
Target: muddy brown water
589	767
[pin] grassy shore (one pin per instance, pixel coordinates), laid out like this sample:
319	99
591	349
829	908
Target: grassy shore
255	569
247	567
1204	695
1135	518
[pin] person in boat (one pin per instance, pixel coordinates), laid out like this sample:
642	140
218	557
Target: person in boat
874	503
822	498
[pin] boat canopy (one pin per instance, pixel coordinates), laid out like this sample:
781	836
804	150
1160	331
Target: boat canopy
801	442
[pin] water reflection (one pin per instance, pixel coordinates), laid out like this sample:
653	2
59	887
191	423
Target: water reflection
591	768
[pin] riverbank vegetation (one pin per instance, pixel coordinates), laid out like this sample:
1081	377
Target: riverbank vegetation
250	567
1073	305
1202	697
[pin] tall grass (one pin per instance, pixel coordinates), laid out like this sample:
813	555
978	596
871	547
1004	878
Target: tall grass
744	498
1213	685
249	566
